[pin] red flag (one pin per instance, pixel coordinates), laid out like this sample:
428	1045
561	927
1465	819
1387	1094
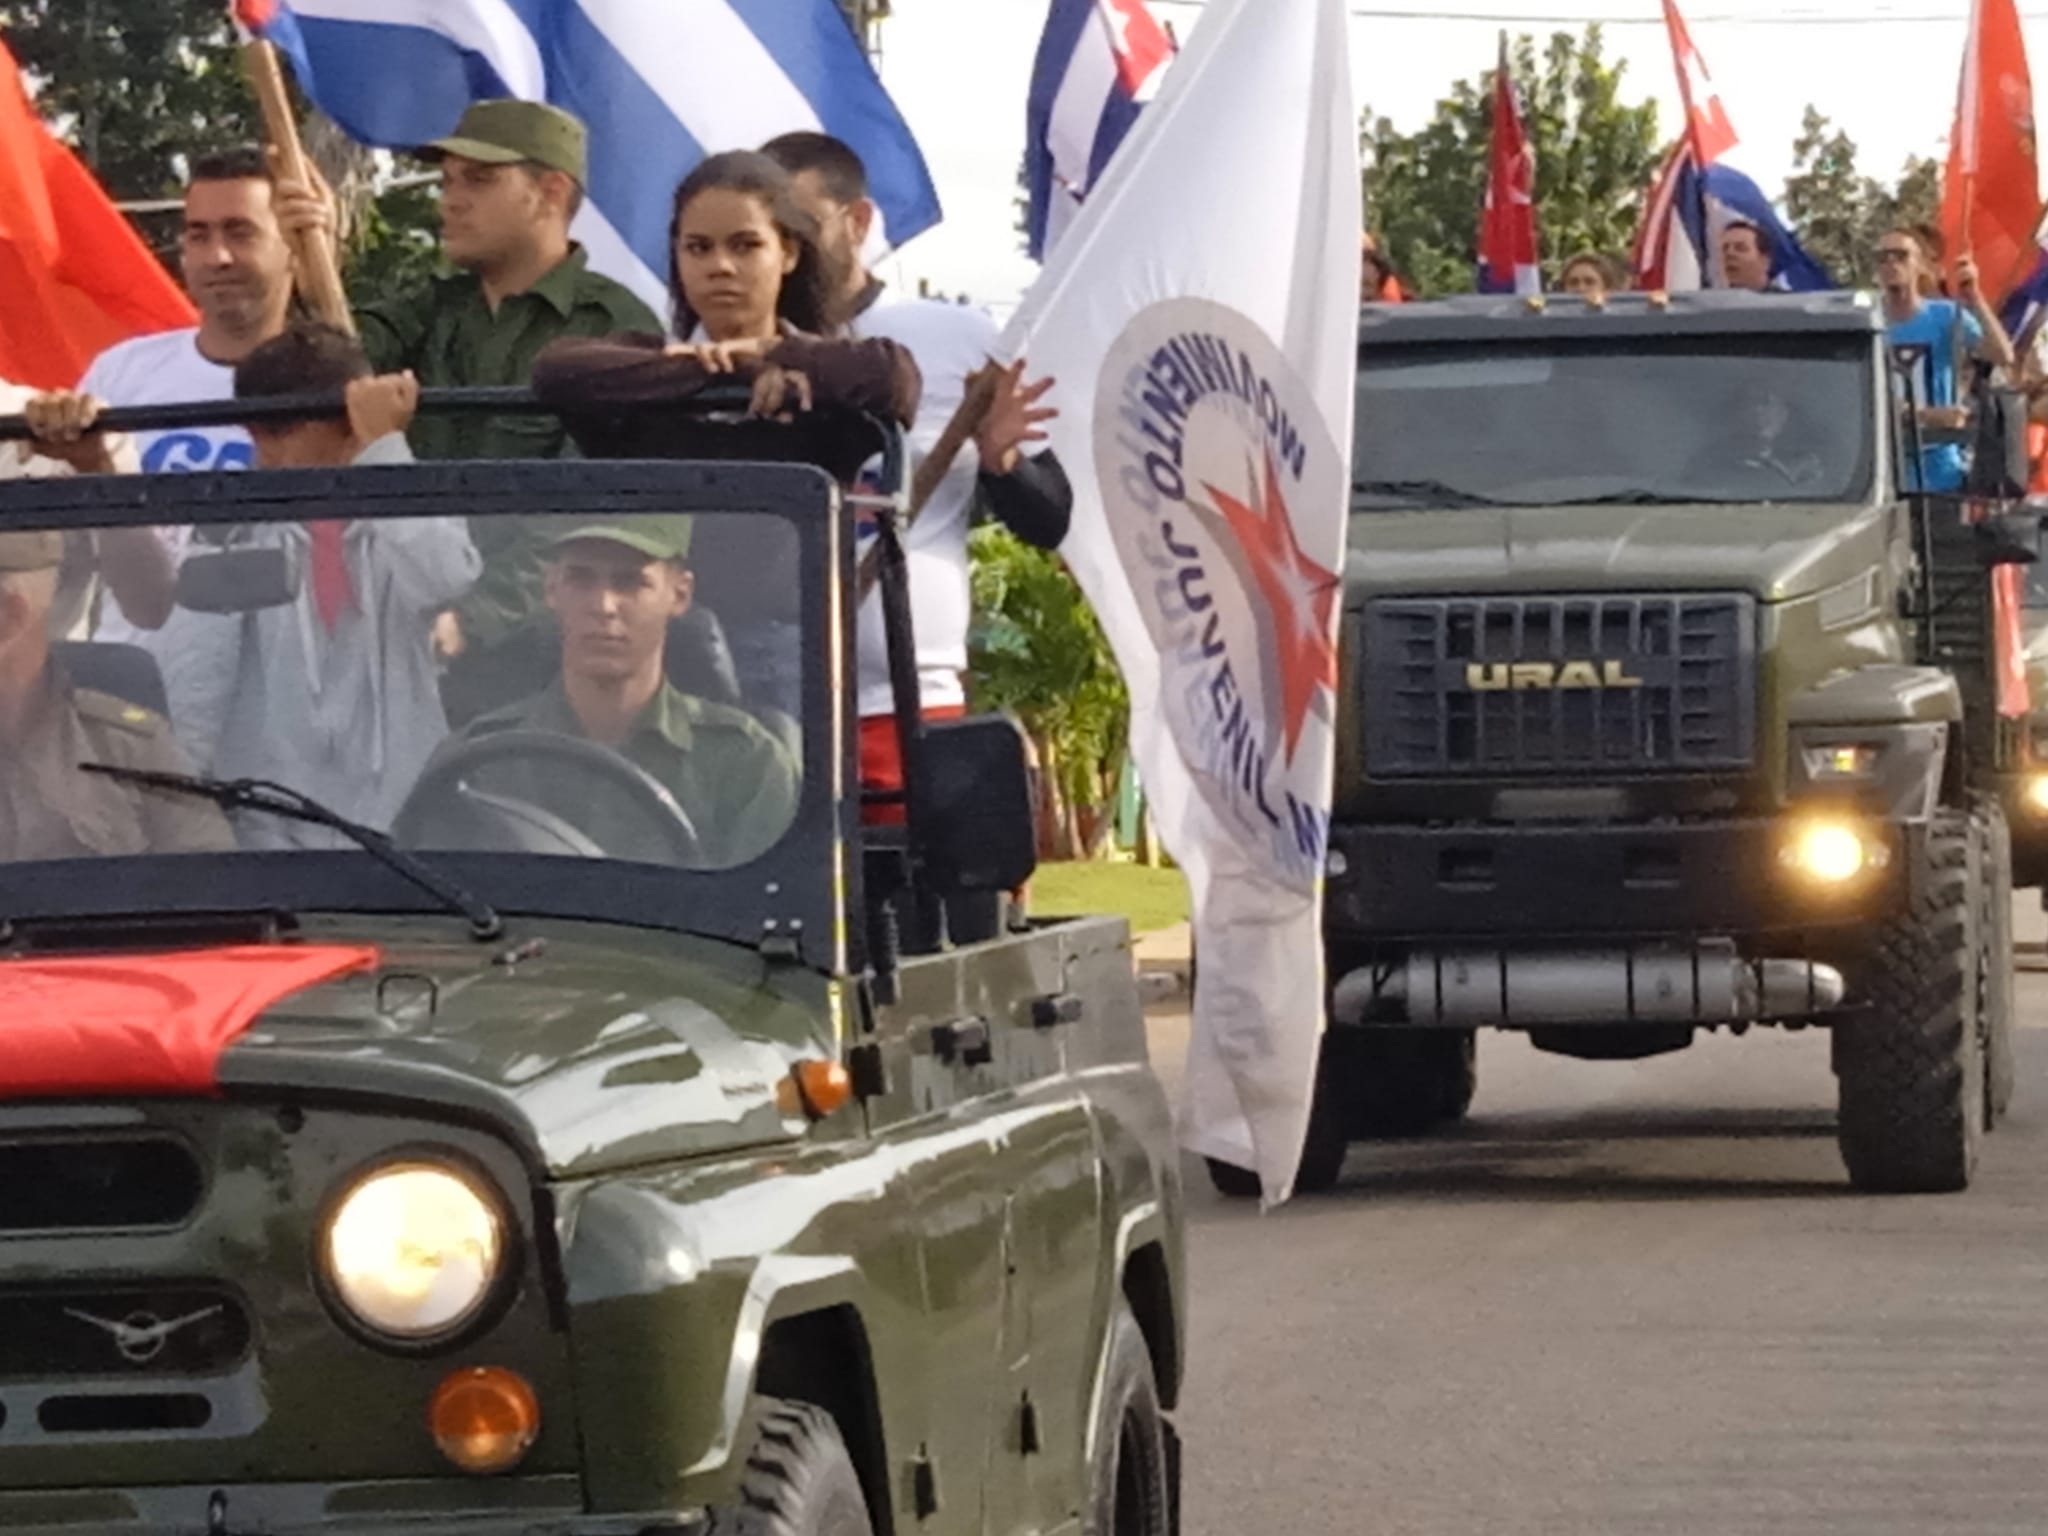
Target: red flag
74	276
1991	196
1507	222
1706	120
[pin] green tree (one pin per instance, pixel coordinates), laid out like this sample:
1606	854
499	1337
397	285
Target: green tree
1037	651
1840	213
139	86
1595	154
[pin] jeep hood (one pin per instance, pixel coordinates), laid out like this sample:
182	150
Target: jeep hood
1774	552
596	1049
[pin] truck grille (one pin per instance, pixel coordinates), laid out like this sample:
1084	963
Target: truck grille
1557	686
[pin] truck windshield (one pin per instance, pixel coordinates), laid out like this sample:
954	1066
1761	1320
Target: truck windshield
1736	419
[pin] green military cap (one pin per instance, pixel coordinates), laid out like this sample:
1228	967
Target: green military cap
658	536
508	132
38	551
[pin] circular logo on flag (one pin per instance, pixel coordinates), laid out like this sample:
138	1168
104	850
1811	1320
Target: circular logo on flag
1224	492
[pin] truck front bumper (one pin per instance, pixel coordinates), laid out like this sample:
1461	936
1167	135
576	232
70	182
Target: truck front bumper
1504	883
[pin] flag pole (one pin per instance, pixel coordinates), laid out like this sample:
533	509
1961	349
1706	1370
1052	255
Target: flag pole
319	278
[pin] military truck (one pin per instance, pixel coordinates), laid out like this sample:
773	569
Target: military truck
1665	710
536	1158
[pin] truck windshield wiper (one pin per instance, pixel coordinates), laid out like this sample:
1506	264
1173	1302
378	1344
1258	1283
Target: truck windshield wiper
1423	491
279	800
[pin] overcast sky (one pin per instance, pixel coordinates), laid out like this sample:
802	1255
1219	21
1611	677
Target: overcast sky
960	70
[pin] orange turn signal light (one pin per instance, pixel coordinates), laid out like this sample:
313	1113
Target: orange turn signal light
484	1418
815	1088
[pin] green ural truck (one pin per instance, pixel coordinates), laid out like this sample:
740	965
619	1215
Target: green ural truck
1666	709
585	1166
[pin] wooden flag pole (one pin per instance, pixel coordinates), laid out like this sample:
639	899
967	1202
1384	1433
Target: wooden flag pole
319	278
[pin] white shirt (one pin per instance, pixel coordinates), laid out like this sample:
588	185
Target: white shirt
948	342
166	369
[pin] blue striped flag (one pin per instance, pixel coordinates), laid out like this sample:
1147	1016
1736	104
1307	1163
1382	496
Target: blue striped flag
1099	62
659	83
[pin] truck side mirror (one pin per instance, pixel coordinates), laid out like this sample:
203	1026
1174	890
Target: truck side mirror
2009	538
980	831
1998	445
238	580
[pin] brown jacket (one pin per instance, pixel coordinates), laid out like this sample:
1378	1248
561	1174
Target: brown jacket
603	388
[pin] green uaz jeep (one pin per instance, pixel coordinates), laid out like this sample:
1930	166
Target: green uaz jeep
573	1119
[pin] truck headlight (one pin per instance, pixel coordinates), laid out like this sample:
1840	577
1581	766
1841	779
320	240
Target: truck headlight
413	1251
2036	794
1842	761
1831	852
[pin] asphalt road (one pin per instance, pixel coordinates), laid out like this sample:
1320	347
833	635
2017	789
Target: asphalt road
1632	1299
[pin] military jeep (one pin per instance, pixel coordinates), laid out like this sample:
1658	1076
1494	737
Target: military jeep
604	1183
1665	710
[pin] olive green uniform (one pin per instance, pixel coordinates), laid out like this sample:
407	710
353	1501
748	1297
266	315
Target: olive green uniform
449	336
734	780
51	809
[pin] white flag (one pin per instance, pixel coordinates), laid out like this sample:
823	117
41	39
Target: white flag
1201	317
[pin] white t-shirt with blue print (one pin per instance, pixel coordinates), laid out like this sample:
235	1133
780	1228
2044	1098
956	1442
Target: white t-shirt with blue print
166	369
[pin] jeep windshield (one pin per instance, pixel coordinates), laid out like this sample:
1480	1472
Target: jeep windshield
594	708
1741	419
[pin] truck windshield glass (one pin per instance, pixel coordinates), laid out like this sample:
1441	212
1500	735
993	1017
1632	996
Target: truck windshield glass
616	687
1740	419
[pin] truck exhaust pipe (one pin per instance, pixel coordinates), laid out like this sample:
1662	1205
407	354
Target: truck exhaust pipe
1708	983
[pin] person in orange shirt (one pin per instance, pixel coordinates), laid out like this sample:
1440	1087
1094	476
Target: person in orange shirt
1378	282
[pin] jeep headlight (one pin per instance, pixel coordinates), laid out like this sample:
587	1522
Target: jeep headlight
413	1251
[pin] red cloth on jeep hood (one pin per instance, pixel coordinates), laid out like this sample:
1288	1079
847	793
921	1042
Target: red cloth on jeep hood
96	1024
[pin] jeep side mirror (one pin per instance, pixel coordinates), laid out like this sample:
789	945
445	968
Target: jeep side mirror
238	580
2009	538
981	833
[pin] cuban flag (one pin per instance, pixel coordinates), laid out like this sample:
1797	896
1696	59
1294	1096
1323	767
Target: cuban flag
660	84
1099	62
1698	196
1507	222
2023	308
1202	322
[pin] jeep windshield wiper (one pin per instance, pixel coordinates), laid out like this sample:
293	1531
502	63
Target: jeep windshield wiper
279	800
1422	492
1644	498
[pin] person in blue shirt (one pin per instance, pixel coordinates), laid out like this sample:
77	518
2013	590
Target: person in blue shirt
1949	329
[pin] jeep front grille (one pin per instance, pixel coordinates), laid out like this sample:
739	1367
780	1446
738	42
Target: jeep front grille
91	1182
175	1330
1502	687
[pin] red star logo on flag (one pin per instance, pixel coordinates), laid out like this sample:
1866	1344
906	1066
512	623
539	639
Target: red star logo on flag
1300	595
255	14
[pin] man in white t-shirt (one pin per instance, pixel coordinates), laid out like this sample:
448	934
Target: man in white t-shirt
237	266
1028	495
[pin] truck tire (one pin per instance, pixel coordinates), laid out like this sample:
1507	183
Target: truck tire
1996	1004
799	1479
1408	1082
1130	1477
1329	1134
1911	1069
